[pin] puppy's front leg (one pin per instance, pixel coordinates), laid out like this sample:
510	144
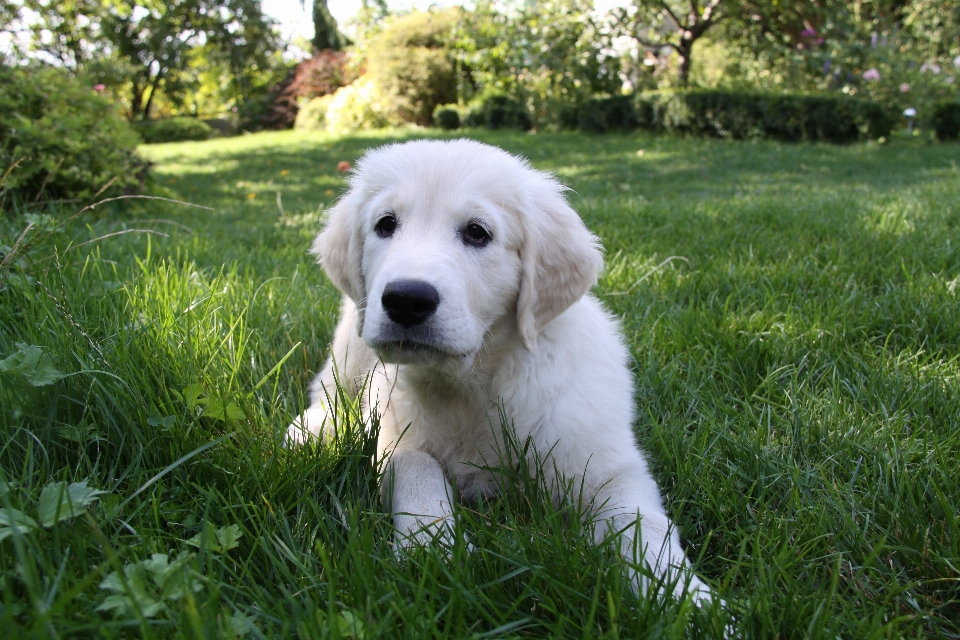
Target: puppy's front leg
416	491
632	505
350	359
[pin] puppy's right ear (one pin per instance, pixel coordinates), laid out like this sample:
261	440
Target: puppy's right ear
339	248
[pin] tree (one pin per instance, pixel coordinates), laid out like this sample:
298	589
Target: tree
326	34
150	43
674	24
548	54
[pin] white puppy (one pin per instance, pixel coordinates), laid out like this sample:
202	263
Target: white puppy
465	276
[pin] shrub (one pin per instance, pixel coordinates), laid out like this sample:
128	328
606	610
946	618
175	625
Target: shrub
946	120
180	129
354	107
790	118
312	116
615	113
413	66
446	117
499	112
320	75
70	139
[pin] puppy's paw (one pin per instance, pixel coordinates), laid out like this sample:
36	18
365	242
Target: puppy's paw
307	426
697	590
437	533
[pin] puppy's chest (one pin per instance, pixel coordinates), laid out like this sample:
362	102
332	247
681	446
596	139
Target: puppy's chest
460	425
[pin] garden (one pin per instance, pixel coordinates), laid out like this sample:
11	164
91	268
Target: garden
781	248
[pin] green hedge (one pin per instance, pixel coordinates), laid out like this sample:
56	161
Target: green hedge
499	112
946	120
725	114
616	113
179	129
446	117
69	140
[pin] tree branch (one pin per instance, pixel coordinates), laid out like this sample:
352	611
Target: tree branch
654	45
673	16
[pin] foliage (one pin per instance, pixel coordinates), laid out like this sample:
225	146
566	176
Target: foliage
446	117
355	107
313	115
70	141
326	34
412	64
900	53
614	113
146	47
545	55
148	587
32	363
946	120
671	24
791	118
320	75
174	130
58	502
499	112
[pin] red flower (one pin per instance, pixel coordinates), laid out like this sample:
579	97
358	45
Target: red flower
343	166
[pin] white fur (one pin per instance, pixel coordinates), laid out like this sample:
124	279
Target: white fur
515	328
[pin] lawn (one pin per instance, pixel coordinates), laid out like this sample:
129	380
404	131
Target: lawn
793	312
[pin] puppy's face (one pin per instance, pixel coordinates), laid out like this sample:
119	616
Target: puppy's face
440	243
441	265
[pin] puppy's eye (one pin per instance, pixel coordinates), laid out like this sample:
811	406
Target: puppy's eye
386	226
475	235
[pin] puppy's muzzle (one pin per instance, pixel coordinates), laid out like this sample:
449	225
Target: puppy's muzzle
409	302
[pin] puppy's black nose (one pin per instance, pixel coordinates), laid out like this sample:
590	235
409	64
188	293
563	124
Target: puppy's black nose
409	302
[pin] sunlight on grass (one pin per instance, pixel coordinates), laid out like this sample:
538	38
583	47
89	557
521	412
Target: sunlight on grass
792	314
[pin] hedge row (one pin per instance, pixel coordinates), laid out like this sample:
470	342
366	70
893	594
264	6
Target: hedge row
946	120
723	114
179	129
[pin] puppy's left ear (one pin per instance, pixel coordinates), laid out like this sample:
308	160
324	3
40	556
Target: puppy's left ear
339	247
560	260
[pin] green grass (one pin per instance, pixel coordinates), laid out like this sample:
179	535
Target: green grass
798	385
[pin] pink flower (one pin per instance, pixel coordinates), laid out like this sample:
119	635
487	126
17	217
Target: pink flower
808	33
99	87
930	66
871	74
904	87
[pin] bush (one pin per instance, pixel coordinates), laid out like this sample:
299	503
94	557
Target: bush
354	107
320	75
412	65
790	118
446	117
946	120
615	113
312	116
71	140
180	129
499	112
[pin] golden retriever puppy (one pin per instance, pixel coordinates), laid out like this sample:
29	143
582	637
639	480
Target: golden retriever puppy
465	278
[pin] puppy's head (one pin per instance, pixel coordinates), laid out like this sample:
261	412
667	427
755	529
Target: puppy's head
441	243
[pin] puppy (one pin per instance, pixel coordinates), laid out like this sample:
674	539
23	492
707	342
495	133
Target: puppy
465	278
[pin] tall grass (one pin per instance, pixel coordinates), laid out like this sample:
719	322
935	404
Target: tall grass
794	320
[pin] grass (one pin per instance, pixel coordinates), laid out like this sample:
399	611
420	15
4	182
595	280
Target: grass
798	385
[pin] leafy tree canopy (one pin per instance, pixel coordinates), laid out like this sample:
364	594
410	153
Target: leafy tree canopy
147	45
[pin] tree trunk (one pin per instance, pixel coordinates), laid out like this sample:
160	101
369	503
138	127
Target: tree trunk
136	101
153	92
326	34
685	51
